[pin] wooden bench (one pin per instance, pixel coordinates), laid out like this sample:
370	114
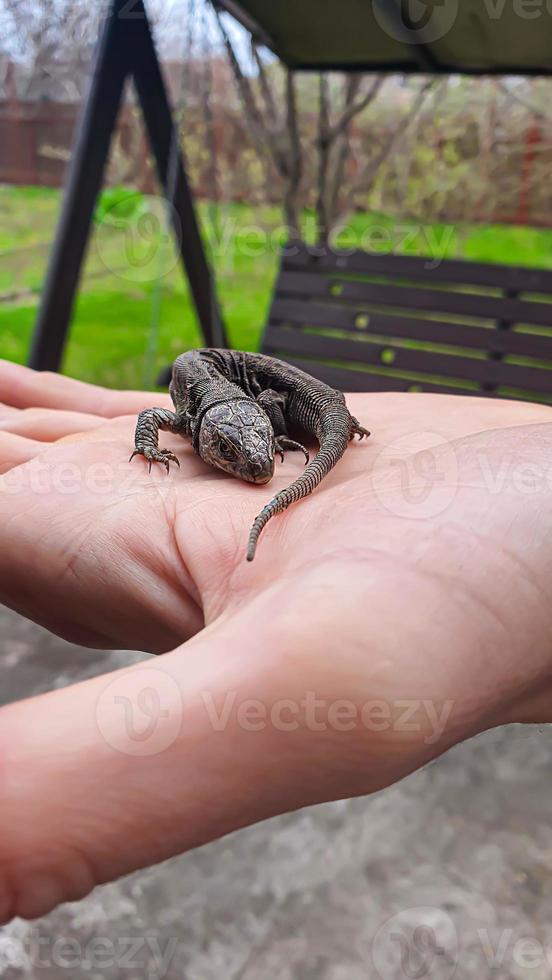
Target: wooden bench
369	322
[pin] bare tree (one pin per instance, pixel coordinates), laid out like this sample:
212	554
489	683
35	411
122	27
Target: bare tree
513	94
274	130
334	146
53	39
372	167
273	125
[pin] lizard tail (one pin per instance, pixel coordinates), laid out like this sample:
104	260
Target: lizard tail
334	439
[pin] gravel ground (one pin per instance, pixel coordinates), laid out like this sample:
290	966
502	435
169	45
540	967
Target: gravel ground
446	875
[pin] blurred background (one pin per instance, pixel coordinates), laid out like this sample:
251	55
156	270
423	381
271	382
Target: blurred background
454	167
449	873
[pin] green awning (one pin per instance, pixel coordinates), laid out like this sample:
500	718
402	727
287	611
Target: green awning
511	37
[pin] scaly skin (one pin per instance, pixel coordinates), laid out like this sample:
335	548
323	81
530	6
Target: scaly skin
236	407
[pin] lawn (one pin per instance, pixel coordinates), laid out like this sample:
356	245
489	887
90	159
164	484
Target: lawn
134	311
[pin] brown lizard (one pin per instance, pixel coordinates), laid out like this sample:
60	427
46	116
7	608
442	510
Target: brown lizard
236	408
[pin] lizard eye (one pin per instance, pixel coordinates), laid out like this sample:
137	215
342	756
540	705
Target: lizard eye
226	450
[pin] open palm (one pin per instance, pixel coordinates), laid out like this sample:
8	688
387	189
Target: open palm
404	606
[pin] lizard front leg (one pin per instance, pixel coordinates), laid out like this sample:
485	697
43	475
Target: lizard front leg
273	403
146	439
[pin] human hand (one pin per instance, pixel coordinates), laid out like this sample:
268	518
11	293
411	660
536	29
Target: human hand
413	578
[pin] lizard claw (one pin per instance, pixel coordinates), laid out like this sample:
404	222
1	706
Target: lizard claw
357	429
283	443
163	456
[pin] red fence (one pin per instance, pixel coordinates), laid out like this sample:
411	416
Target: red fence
36	140
510	186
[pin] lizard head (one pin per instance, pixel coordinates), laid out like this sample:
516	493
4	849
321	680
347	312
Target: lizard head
238	437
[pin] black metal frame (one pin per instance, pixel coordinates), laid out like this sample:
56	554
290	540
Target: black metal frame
125	49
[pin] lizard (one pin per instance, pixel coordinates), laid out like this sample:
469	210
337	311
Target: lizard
236	407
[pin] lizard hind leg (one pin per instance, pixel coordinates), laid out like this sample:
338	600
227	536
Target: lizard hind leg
357	429
146	439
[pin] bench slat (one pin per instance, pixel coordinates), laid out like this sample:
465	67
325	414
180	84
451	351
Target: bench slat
422	269
337	291
303	312
346	380
351	380
397	296
482	371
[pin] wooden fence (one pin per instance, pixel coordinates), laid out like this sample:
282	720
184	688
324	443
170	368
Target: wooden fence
36	140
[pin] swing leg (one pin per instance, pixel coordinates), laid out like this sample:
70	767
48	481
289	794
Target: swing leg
125	48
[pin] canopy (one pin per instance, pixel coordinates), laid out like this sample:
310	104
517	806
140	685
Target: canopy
508	37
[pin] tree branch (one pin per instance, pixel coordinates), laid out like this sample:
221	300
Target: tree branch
539	113
296	158
284	146
264	84
369	173
324	147
353	108
243	85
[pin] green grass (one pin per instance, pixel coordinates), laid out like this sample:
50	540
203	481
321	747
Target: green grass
134	312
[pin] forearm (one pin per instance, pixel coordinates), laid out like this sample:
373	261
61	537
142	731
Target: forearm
240	724
86	794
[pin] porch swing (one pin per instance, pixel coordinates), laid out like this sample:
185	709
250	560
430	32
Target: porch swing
359	321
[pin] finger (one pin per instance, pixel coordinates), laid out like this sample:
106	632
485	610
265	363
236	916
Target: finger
47	425
6	410
15	450
20	387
